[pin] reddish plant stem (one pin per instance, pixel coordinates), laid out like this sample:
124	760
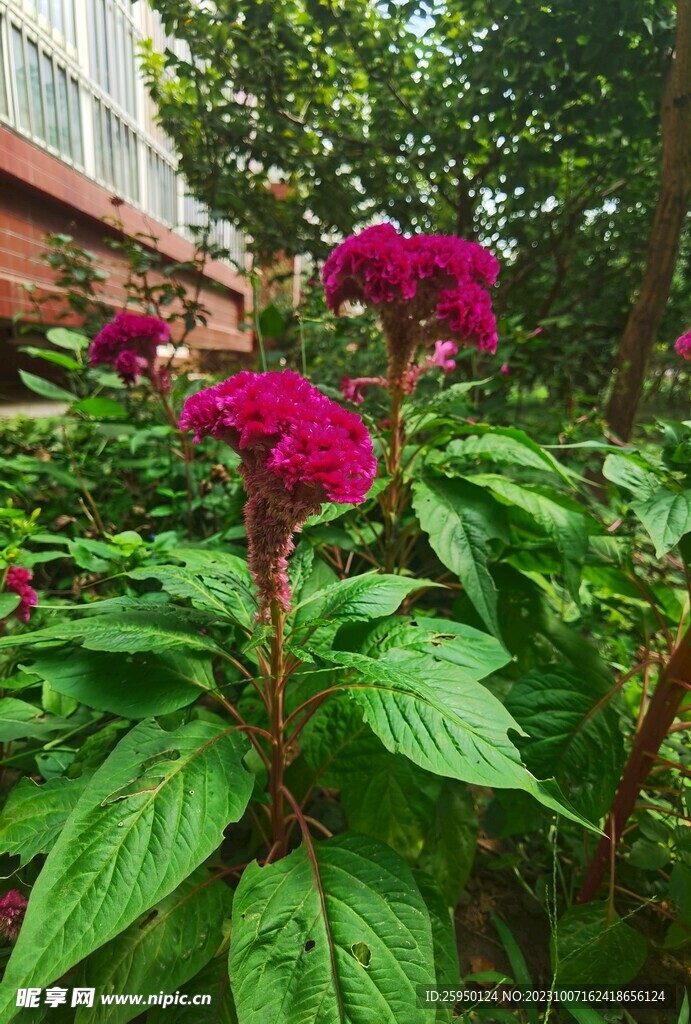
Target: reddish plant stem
671	689
278	754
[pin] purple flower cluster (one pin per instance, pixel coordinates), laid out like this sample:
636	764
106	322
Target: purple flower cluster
12	909
18	582
439	282
128	344
298	449
682	346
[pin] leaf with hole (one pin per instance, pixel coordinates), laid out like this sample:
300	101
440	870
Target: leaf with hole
342	934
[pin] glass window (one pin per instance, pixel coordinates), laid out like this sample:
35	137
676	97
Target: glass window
98	140
35	94
102	46
128	61
56	16
20	79
134	165
76	123
3	83
51	106
70	31
64	114
107	146
43	8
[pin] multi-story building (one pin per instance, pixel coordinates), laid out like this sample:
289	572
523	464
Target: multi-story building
77	129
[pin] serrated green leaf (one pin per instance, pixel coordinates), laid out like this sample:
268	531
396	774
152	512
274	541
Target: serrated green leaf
444	722
149	816
359	598
343	936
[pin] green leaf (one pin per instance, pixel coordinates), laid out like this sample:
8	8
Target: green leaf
446	965
129	632
461	520
8	603
566	528
448	852
52	357
20	720
45	388
137	686
203	591
632	473
161	952
342	935
271	322
666	517
34	816
212	981
101	408
72	340
518	964
594	945
383	795
359	598
149	816
478	654
444	722
556	706
503	445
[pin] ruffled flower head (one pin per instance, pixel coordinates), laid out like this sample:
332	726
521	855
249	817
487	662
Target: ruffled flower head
128	344
429	288
12	909
17	581
298	449
682	346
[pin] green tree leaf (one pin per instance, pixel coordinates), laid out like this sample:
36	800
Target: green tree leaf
149	816
20	720
212	981
343	935
101	408
448	851
461	520
71	340
8	603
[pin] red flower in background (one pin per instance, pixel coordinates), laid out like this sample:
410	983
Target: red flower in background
128	344
17	581
682	346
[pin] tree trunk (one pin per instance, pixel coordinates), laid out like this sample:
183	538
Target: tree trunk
673	685
663	245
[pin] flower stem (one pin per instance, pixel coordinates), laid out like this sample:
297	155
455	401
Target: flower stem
277	729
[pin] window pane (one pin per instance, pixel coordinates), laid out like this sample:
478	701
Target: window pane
64	114
76	123
108	146
56	15
51	101
43	8
35	96
70	33
134	165
3	85
102	45
20	78
129	72
98	140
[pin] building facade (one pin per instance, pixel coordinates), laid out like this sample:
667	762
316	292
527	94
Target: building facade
77	130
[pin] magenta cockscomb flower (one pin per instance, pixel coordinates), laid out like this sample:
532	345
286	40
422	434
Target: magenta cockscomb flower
12	909
298	449
17	581
429	288
128	344
682	346
352	387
